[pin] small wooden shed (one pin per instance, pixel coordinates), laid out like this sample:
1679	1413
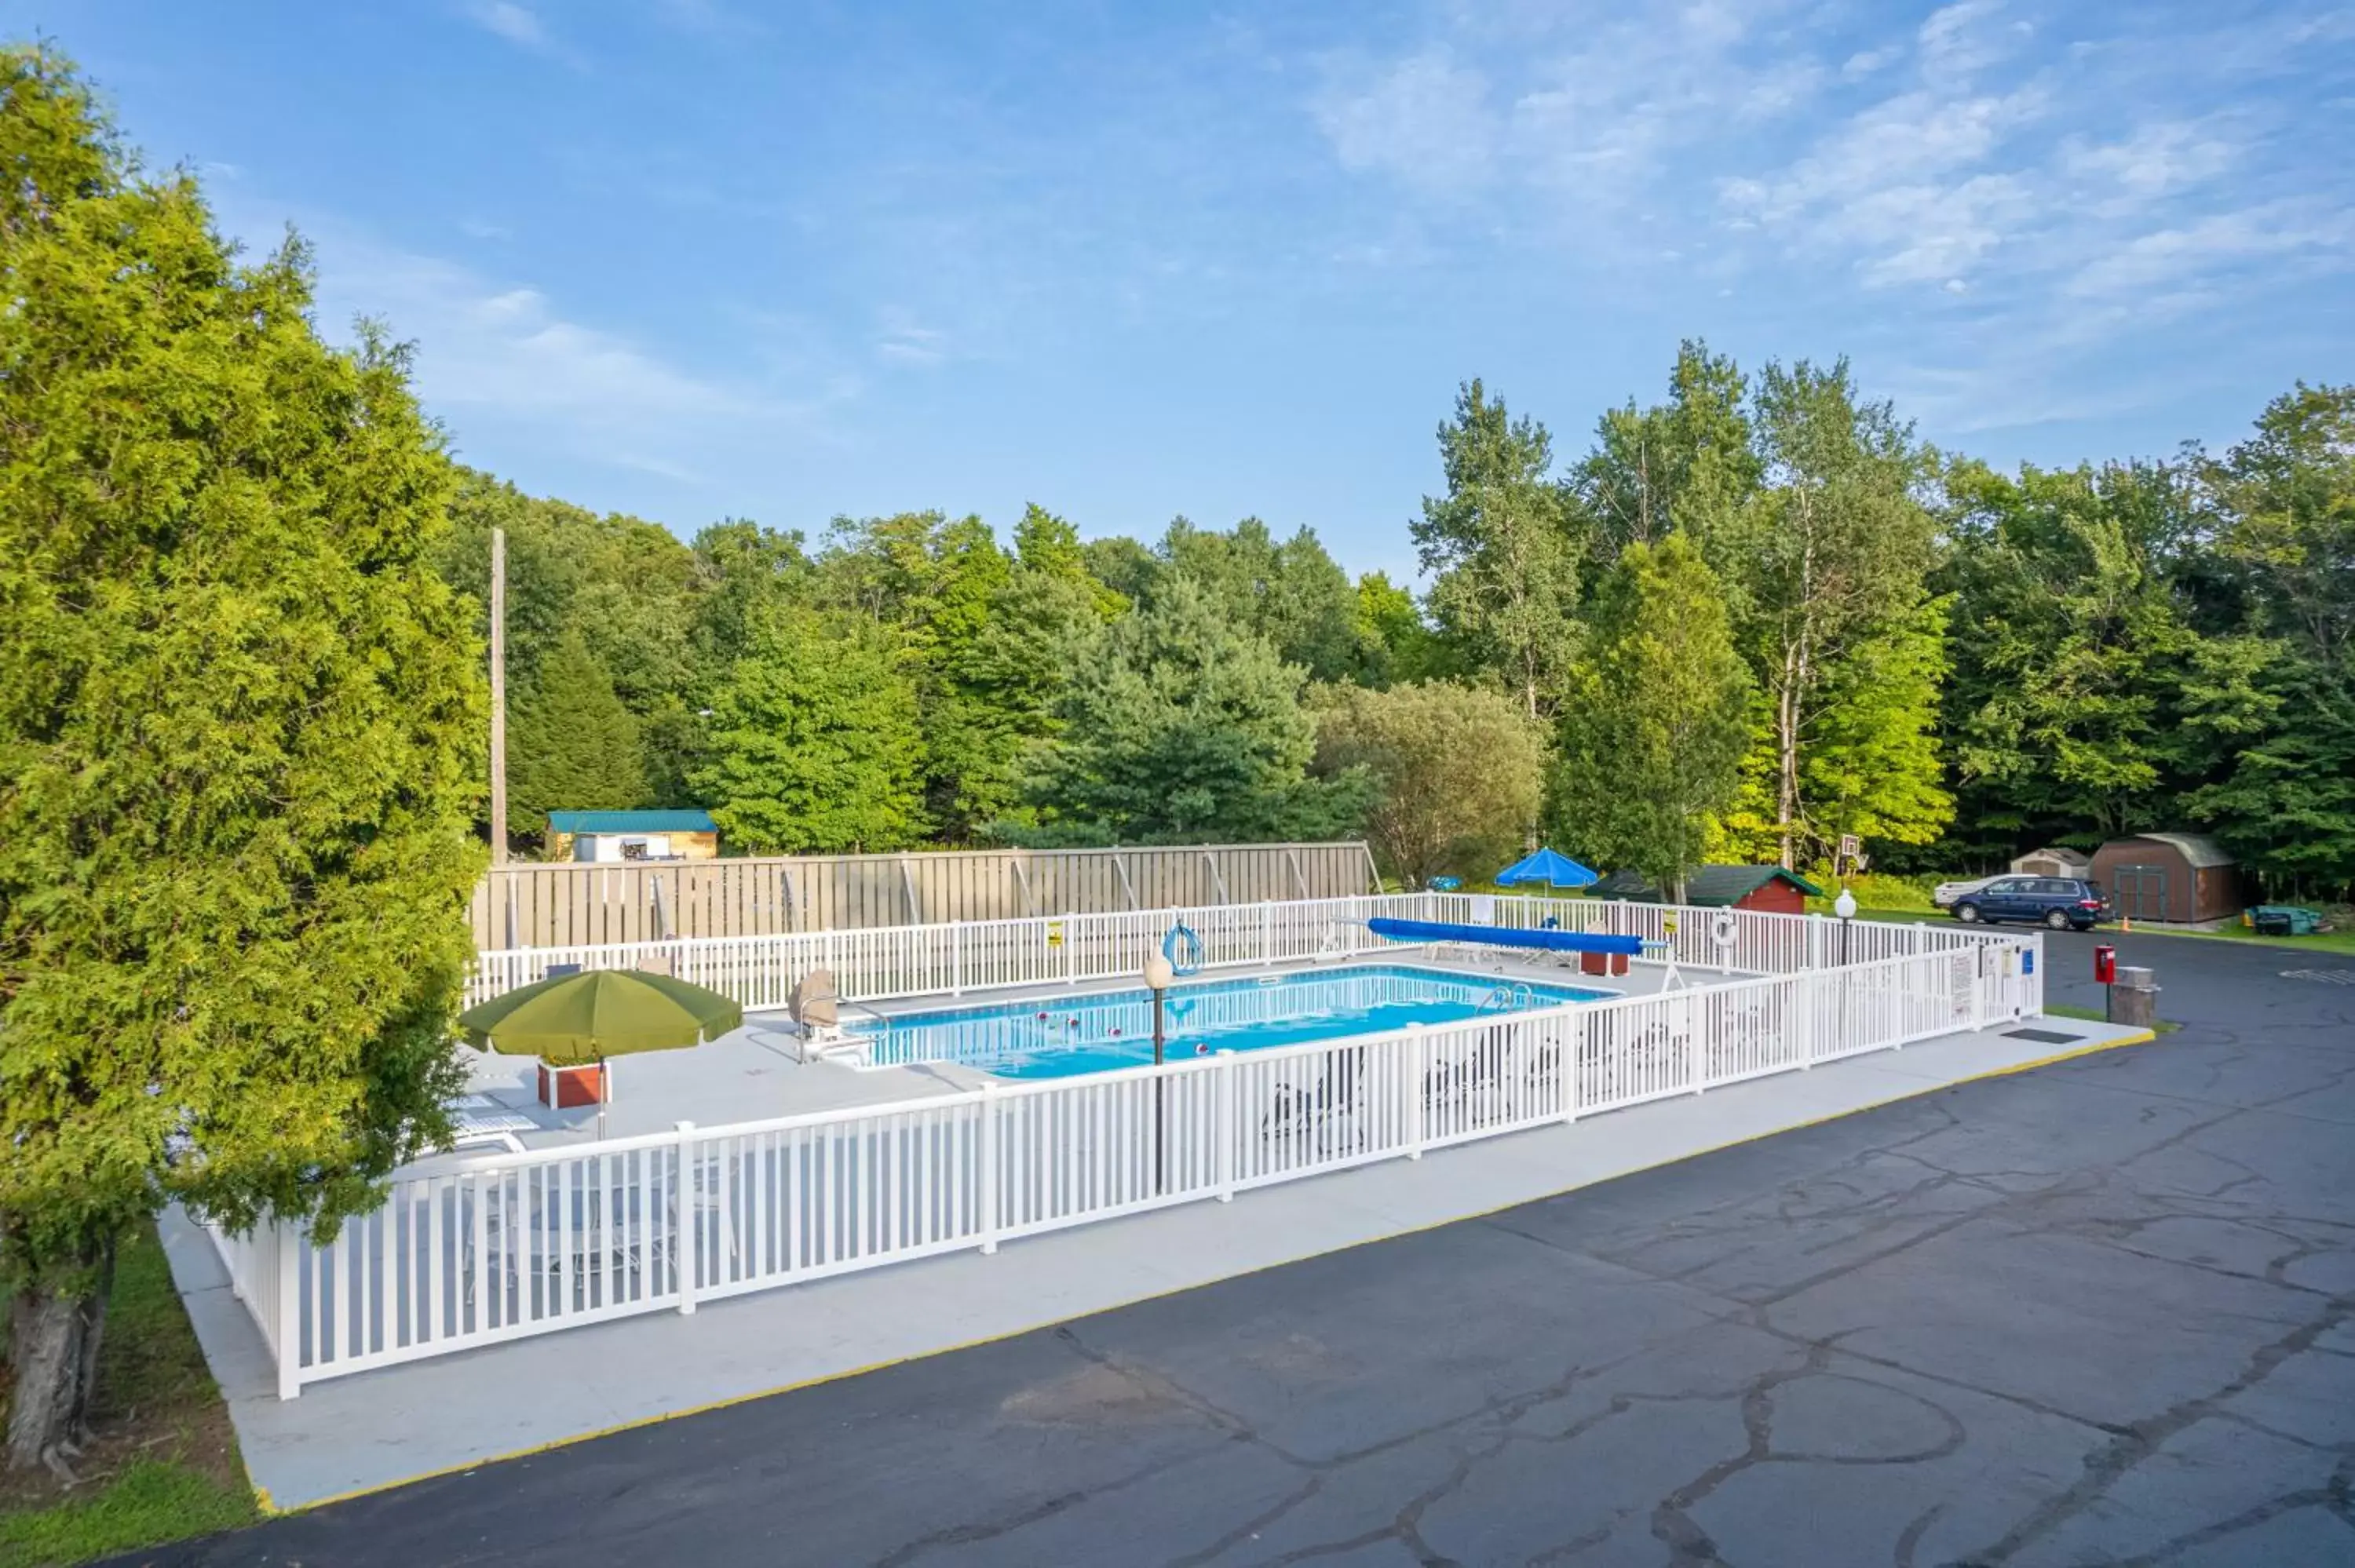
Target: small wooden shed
2182	877
1766	887
612	837
2053	860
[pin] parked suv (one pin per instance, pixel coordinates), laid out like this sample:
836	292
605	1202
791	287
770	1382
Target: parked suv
2063	903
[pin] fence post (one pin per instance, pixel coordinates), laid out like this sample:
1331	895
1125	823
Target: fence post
1695	1046
1267	933
1412	1059
689	1199
1225	1169
290	1308
988	1174
1574	1064
1803	1006
956	958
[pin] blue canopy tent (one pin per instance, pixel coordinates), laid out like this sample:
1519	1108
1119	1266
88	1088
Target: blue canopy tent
1549	869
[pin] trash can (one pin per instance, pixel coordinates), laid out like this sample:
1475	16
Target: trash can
2133	997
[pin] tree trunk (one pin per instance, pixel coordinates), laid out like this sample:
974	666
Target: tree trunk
53	1344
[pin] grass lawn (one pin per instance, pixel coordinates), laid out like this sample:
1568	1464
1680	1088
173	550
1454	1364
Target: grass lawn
2320	942
164	1465
2094	1015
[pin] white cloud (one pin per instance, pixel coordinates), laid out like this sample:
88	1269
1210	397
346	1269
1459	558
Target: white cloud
1864	62
515	23
1901	187
2154	161
1424	121
2166	262
1959	40
496	358
905	343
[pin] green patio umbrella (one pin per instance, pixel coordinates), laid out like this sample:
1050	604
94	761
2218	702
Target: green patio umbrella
574	1019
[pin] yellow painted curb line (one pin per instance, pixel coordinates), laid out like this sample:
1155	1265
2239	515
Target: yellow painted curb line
261	1494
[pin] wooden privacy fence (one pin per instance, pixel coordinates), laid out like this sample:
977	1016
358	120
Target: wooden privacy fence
567	905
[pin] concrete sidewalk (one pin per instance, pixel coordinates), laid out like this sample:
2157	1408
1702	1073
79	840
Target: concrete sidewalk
378	1429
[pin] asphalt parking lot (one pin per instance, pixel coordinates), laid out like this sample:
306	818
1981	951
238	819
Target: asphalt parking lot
2097	1313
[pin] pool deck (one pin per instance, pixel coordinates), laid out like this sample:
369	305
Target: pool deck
378	1429
757	1072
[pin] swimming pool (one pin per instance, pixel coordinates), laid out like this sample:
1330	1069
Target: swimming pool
1058	1037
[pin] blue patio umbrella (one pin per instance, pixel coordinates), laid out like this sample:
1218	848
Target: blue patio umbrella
1549	869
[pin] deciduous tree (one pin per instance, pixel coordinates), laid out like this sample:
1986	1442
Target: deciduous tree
1457	769
813	744
1655	726
1505	567
1828	560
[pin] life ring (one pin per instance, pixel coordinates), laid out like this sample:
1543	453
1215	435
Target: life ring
1192	962
1724	928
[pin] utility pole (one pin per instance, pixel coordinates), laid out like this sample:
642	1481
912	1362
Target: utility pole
498	696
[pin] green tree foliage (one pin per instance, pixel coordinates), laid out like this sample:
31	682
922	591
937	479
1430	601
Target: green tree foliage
2284	707
1290	591
1182	727
1504	567
2071	648
1654	730
240	722
574	743
1457	769
1828	560
625	586
1689	463
1398	643
813	744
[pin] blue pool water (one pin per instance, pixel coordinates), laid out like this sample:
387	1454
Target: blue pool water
1057	1037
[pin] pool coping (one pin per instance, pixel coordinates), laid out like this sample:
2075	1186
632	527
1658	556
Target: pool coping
1251	978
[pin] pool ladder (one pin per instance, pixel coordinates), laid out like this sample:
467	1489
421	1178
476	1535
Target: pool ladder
1515	998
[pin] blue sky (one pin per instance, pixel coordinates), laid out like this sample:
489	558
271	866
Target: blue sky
702	258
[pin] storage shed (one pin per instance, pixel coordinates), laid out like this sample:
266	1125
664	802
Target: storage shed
2054	861
1766	887
617	836
2182	877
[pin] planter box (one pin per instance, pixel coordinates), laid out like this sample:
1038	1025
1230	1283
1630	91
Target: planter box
566	1088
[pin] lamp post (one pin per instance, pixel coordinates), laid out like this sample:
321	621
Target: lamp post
1159	973
1845	908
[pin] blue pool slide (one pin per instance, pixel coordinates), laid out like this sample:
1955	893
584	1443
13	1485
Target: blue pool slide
1503	937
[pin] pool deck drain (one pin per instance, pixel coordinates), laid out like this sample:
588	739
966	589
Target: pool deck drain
379	1430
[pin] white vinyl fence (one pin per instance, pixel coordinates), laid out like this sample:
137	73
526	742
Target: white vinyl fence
892	962
529	1244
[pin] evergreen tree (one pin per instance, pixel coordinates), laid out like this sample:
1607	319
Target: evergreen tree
239	740
1654	731
1181	728
813	744
572	746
